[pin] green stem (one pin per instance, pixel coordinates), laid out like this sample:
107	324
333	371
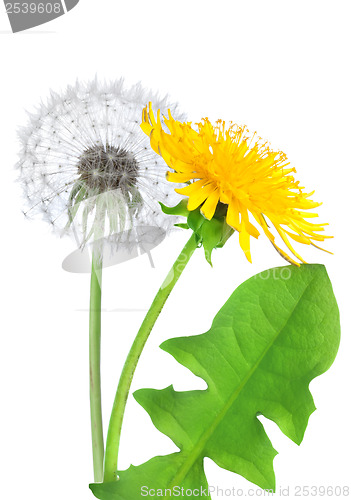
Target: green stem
116	419
94	367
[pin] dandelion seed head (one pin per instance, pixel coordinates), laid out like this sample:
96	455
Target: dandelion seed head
87	168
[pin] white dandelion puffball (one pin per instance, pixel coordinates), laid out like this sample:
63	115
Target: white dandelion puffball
88	168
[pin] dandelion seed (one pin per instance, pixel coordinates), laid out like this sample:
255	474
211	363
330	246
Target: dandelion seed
86	166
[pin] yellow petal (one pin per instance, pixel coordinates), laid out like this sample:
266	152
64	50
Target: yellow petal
260	219
151	116
146	128
155	141
250	228
233	215
300	238
187	190
285	255
287	242
199	196
244	240
320	248
176	177
209	207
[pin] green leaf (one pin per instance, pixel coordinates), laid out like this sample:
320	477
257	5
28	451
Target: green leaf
278	331
156	474
275	334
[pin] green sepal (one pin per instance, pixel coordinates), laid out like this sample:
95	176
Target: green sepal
210	234
214	235
180	209
77	195
196	220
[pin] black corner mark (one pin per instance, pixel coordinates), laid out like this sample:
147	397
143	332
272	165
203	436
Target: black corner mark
70	4
26	14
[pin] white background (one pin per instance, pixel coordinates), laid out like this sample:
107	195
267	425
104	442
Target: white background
282	68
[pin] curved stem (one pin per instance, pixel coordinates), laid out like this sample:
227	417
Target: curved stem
94	368
116	419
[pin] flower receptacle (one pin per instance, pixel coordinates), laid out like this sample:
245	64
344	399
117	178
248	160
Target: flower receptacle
210	234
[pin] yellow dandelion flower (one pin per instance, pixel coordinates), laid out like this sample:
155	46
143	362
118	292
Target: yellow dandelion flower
225	164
